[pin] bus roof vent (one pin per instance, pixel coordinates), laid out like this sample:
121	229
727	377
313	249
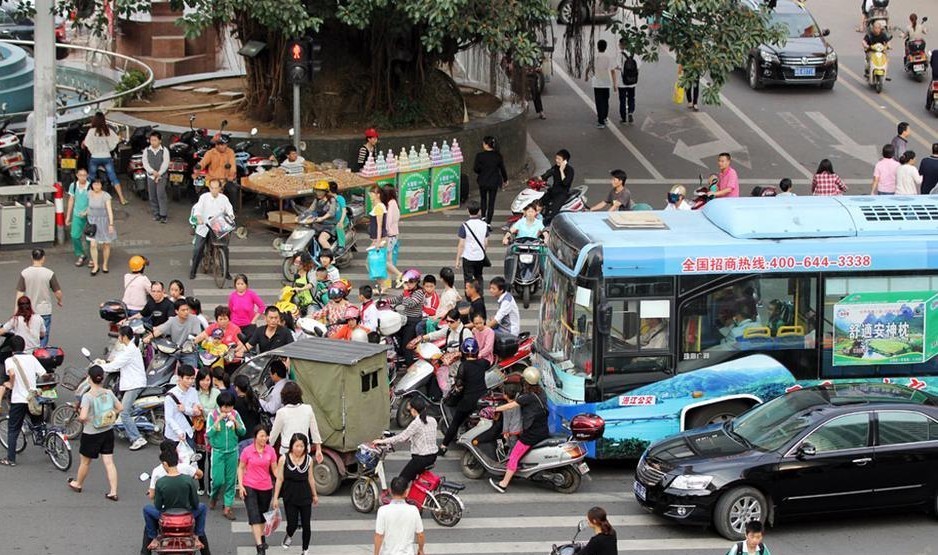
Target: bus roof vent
635	220
781	217
882	215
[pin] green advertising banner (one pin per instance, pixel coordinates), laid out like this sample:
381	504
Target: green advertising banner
885	328
444	187
413	188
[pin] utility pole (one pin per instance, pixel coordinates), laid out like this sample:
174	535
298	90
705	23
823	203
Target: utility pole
44	93
296	116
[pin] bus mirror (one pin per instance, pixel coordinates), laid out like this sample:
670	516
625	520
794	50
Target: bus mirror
604	324
632	325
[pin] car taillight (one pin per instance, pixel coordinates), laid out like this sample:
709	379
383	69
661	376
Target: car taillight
175	139
68	153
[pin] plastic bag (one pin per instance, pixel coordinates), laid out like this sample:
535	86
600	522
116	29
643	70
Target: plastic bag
377	263
678	96
272	520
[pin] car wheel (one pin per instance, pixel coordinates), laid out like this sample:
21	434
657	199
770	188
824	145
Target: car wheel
720	412
736	508
752	70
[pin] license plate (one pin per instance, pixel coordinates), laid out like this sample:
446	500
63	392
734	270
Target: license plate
639	490
176	178
583	468
804	72
68	163
918	67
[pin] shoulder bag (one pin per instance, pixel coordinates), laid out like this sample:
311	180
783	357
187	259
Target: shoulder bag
486	263
32	396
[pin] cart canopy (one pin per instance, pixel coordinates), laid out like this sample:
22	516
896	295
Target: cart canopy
346	382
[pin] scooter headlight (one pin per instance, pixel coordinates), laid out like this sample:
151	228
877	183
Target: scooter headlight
526	258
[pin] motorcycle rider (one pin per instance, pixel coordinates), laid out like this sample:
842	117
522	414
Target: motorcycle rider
174	491
180	328
876	35
534	414
219	165
469	387
352	330
422	436
210	205
453	331
561	175
133	380
412	301
528	227
507	320
334	312
323	212
677	199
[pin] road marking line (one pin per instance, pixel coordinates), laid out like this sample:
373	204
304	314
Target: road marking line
671	545
471	523
924	128
611	128
747	181
845	143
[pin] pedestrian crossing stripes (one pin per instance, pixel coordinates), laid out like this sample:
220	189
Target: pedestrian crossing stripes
538	547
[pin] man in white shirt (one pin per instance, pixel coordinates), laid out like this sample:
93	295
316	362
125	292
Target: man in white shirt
39	284
272	402
128	360
473	241
23	370
185	466
507	320
398	524
294	163
603	74
210	205
181	404
156	163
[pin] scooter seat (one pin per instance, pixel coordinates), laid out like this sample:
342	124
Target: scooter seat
445	484
551	442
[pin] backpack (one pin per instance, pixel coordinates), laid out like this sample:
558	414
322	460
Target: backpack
104	412
629	70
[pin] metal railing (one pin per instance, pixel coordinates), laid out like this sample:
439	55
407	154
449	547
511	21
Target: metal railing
127	60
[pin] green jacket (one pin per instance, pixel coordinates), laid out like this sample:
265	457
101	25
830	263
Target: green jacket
222	437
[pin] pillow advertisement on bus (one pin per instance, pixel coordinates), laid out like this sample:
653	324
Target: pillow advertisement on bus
885	328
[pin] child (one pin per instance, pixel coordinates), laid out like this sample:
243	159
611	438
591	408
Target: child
223	428
369	307
511	421
431	303
752	545
302	286
222	381
785	186
326	258
321	291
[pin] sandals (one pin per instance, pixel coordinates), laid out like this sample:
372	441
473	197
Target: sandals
80	262
95	272
228	513
7	462
111	497
76	489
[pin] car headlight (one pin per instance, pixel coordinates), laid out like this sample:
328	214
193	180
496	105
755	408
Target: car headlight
691	482
831	57
767	56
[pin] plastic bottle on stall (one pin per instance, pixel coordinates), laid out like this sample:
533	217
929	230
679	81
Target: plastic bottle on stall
369	169
424	157
445	155
412	158
391	162
457	152
435	156
381	166
403	162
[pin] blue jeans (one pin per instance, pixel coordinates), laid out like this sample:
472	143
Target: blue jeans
18	412
47	318
108	164
127	419
151	520
192	359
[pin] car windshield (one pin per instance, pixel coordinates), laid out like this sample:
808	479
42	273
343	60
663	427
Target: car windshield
773	424
800	25
566	328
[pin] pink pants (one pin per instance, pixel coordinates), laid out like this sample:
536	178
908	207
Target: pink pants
518	451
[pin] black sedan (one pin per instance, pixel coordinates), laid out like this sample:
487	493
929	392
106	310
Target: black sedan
822	449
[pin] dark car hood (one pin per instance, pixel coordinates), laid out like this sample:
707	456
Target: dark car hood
698	445
801	47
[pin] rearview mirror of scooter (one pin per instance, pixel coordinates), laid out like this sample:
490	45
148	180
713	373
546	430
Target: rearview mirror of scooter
86	353
144	477
290	132
253	131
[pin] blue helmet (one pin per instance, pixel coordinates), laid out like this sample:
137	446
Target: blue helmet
469	347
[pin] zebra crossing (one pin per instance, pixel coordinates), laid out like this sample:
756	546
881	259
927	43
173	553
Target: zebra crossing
428	243
528	519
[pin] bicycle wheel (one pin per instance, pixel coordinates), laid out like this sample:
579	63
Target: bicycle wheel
66	418
58	450
207	260
20	441
220	269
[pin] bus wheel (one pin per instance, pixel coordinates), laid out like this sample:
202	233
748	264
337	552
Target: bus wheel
712	414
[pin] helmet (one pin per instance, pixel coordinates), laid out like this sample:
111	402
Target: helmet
137	263
531	375
678	190
338	290
360	335
218	333
113	311
321	185
371	133
410	275
353	313
469	347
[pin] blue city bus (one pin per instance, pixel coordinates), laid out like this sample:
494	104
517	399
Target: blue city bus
664	321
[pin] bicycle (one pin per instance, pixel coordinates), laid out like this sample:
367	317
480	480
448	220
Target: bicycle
51	438
215	258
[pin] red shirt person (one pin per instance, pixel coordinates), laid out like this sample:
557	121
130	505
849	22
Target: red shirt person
728	184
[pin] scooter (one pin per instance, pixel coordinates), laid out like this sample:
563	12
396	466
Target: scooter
556	461
878	63
428	492
572	547
12	161
535	191
916	60
931	98
176	533
526	253
303	238
185	151
70	152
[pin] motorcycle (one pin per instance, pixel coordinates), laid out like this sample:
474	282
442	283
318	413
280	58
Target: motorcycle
916	60
556	461
184	152
535	190
704	193
304	238
525	258
428	491
70	152
931	98
12	160
139	140
572	547
878	64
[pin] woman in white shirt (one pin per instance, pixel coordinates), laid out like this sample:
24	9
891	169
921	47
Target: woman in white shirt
26	324
908	180
295	417
100	142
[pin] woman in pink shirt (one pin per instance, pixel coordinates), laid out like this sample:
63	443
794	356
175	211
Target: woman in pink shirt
392	222
255	466
245	305
136	286
485	337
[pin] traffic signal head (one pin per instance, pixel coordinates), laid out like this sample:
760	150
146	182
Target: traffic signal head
297	62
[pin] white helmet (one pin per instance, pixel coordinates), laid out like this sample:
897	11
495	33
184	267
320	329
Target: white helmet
312	327
358	334
531	375
390	322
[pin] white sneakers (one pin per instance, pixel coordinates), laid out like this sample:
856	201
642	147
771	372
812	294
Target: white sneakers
139	443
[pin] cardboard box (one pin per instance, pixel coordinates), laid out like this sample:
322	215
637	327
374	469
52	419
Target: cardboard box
287	217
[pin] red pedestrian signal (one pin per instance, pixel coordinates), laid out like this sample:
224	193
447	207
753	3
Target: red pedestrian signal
296	52
297	63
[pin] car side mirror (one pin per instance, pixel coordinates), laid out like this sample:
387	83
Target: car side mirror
825	32
806	450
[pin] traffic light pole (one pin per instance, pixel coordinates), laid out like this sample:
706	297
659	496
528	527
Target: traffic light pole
296	116
44	93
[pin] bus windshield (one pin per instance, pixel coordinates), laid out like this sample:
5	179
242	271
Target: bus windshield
566	329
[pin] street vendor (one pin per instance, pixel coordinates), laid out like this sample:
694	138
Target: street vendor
293	164
366	150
